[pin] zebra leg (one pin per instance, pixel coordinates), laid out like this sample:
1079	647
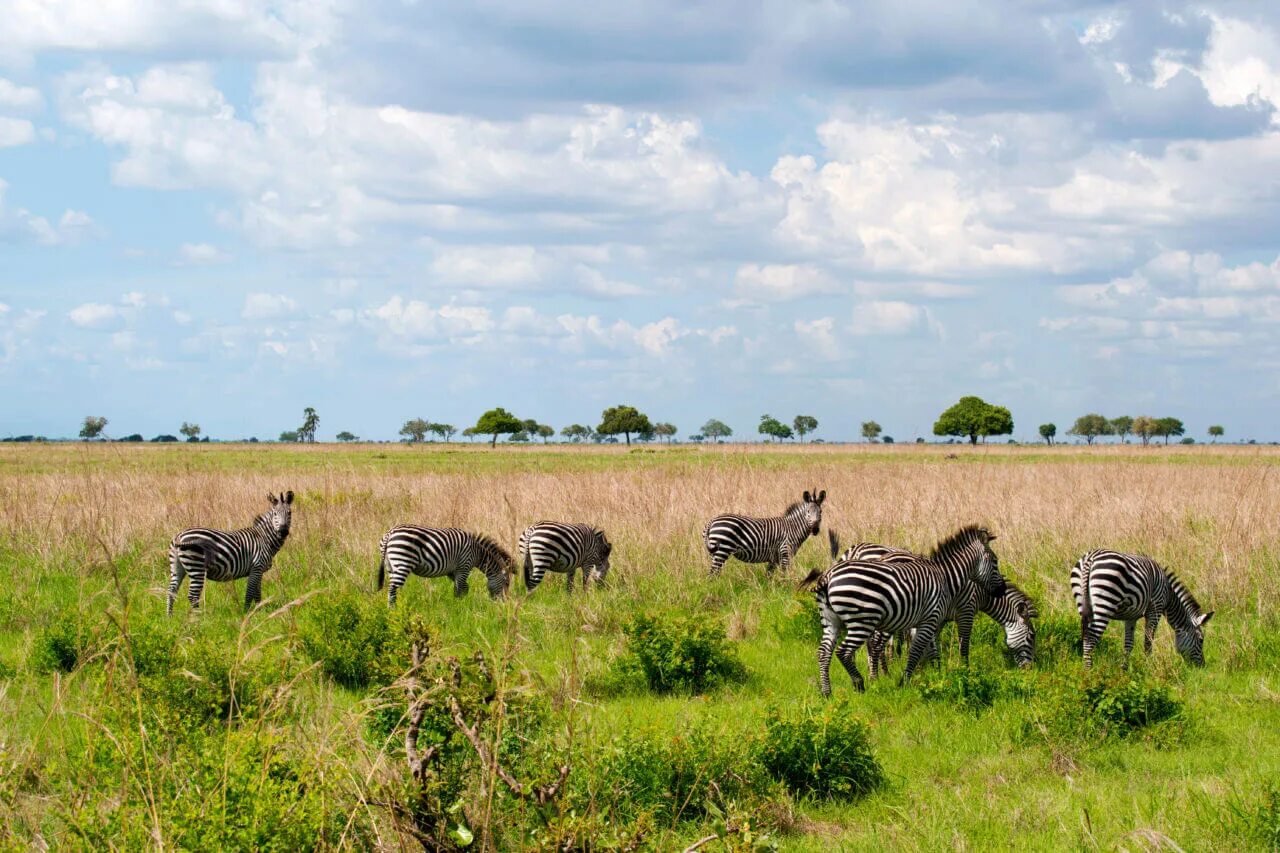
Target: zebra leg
177	572
1129	625
718	559
253	589
569	580
825	649
1149	631
926	637
460	583
853	638
1092	634
196	585
877	665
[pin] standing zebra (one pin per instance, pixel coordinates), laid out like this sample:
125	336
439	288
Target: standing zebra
221	555
859	597
433	552
553	546
1109	585
764	540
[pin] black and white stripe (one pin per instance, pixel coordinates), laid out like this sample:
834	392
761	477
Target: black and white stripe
228	555
774	541
1109	585
553	546
860	597
433	552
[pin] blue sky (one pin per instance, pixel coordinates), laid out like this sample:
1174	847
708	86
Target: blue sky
224	212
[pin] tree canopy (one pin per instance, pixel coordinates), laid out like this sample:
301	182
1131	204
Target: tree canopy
347	436
191	431
973	417
93	427
716	430
776	429
1048	431
415	430
1121	426
576	432
624	420
496	422
1145	427
310	421
545	432
871	430
1090	427
804	424
1166	427
1216	432
664	430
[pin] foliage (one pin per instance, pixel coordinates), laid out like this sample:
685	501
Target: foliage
310	422
1121	426
623	420
716	430
356	641
135	436
165	439
93	427
771	426
289	436
1109	704
1255	817
191	431
823	751
681	653
1167	427
415	430
346	436
1090	427
520	436
1048	431
61	645
496	422
576	432
664	430
1216	431
1145	427
871	430
804	424
974	417
545	432
970	689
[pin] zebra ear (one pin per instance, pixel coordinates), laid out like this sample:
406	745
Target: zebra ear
806	496
1204	617
272	498
822	496
288	497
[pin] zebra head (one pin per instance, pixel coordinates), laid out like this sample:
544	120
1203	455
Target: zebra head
1019	630
280	516
1189	639
810	509
496	564
603	549
971	547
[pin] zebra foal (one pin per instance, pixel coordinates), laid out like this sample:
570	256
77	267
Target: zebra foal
228	555
1110	585
433	552
774	541
860	597
553	546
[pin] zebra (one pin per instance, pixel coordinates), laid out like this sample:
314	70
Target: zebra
561	547
221	555
1109	585
433	552
858	597
764	540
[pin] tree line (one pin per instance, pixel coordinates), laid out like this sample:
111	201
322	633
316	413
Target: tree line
1093	426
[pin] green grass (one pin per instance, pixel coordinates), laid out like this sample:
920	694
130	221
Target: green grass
221	730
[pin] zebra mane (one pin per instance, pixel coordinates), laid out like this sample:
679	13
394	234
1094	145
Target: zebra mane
1014	593
495	552
1183	595
959	541
792	508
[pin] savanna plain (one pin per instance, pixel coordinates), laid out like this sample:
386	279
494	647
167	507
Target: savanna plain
685	708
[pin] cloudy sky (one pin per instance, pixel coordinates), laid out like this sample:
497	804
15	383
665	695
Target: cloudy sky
226	211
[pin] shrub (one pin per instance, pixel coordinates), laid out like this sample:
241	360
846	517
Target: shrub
968	689
823	752
802	621
61	645
1256	818
685	654
206	682
356	642
1108	704
1123	705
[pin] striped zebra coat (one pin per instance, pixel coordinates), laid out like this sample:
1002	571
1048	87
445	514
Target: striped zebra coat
434	552
553	546
860	597
228	555
774	541
1109	585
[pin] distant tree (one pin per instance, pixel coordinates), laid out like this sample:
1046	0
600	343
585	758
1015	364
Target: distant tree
716	430
804	424
888	439
307	432
1145	427
289	435
646	435
347	436
470	433
973	417
166	438
191	431
664	430
771	426
519	435
1169	427
870	430
415	430
93	427
444	431
133	437
1216	432
697	438
1090	427
1047	432
546	432
624	420
530	425
1121	426
576	432
1188	440
496	422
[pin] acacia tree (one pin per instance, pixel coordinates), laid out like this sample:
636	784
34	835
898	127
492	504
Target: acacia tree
1216	432
870	430
664	430
93	427
771	426
1047	432
1144	427
576	432
496	422
1090	427
1169	426
444	431
1121	426
716	430
804	424
415	430
345	436
973	417
310	421
624	420
469	433
191	431
289	435
545	432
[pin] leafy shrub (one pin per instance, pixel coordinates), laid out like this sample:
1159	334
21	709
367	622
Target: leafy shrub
1256	818
802	621
357	642
209	682
1108	704
153	645
1123	705
7	670
61	645
823	752
685	654
966	689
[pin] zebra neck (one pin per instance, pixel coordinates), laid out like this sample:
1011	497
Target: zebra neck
956	576
1181	609
267	535
797	529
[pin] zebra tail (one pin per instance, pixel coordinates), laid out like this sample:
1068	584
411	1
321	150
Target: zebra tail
528	568
1086	601
810	579
382	564
834	541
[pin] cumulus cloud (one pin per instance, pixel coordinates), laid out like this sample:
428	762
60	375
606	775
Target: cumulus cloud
201	254
94	315
267	306
781	281
886	317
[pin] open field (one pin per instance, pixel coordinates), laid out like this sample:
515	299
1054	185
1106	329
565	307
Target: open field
116	727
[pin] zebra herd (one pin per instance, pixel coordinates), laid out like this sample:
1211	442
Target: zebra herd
870	594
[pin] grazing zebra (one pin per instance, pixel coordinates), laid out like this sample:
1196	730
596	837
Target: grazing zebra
859	597
1109	585
553	546
222	555
433	552
764	540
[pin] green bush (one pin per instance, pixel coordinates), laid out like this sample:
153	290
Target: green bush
681	654
356	641
61	645
153	645
966	689
208	681
802	620
1106	704
823	752
1126	703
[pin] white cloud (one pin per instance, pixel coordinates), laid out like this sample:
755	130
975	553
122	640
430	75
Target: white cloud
94	315
490	266
1242	63
13	96
891	318
820	334
201	254
781	282
15	132
267	306
417	321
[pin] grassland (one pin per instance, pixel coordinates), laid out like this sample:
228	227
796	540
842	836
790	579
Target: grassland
96	749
